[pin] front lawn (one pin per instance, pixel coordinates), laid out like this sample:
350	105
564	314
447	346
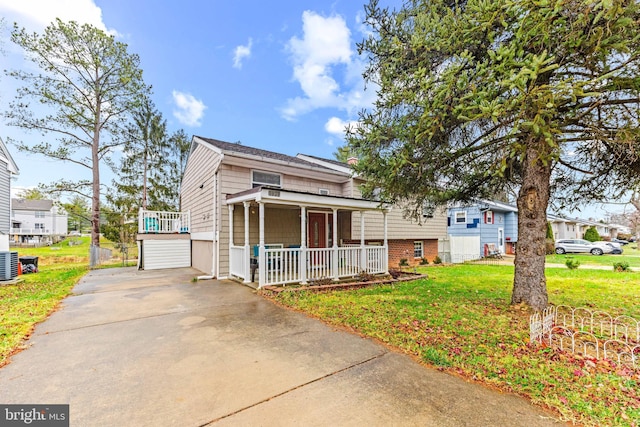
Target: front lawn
30	301
459	320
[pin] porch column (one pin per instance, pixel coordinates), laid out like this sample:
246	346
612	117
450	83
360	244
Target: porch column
230	228
334	253
385	243
363	253
247	248
302	259
262	263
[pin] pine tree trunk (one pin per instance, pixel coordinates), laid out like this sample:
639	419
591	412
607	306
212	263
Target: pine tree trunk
95	165
529	283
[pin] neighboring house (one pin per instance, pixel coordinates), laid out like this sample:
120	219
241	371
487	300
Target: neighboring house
304	216
37	221
565	228
602	229
475	229
8	168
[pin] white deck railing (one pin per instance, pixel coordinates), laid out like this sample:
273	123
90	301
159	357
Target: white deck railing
163	222
32	231
286	265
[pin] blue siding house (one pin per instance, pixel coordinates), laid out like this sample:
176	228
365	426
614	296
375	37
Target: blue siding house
495	222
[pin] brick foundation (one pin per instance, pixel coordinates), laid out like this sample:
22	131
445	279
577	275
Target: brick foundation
399	249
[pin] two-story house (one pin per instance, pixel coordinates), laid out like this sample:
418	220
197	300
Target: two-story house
284	219
493	224
37	221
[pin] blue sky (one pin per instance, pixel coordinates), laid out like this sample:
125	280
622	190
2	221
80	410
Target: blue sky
282	76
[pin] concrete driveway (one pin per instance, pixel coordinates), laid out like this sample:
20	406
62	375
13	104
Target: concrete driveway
152	348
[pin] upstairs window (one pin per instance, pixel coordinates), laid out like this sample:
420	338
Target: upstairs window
39	214
488	217
259	179
461	217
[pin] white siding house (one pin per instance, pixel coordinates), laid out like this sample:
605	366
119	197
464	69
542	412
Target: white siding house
37	221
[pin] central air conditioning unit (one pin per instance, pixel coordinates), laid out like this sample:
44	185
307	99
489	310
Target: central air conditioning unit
8	265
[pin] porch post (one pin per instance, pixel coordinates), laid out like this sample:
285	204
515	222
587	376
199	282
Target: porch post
247	248
334	252
302	259
385	243
363	254
262	263
230	227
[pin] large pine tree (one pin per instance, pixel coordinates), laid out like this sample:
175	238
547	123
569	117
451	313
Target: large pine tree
479	96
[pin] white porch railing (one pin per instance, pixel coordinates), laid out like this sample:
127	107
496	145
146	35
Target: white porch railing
163	222
285	265
237	261
31	231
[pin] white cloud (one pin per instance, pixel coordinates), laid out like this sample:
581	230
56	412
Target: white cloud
189	110
324	47
35	15
338	127
241	53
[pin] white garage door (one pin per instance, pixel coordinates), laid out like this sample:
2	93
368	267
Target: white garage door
158	254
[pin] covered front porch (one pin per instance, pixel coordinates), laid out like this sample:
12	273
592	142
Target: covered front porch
278	237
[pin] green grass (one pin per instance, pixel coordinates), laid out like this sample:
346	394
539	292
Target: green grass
630	254
77	253
30	301
460	321
36	296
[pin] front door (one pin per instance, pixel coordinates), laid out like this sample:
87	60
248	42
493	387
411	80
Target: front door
316	233
501	240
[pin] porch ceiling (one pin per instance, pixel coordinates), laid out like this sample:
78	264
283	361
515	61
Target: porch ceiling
279	196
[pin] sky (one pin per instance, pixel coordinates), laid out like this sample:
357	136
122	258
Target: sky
282	76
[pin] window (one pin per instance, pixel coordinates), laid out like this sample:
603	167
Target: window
39	214
39	226
417	249
461	217
265	178
324	191
428	208
488	217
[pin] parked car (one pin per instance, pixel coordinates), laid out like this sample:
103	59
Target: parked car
622	242
582	246
616	248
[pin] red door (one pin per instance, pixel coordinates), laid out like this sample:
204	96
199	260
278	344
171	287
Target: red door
316	231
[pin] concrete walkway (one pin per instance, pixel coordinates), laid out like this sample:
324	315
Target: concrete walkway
152	348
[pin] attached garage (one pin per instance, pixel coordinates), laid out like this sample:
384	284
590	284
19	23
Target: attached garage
158	251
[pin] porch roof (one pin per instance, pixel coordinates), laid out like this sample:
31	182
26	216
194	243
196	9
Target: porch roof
280	196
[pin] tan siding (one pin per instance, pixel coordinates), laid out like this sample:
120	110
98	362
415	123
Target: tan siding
202	255
199	201
399	227
282	226
238	178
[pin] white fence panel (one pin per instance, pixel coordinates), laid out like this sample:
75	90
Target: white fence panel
464	248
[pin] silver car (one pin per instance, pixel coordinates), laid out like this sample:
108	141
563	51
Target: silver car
581	246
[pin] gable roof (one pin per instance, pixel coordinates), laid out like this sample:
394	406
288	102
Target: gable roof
31	205
236	149
328	163
5	156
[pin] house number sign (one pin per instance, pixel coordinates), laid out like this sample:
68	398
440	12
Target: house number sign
274	193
